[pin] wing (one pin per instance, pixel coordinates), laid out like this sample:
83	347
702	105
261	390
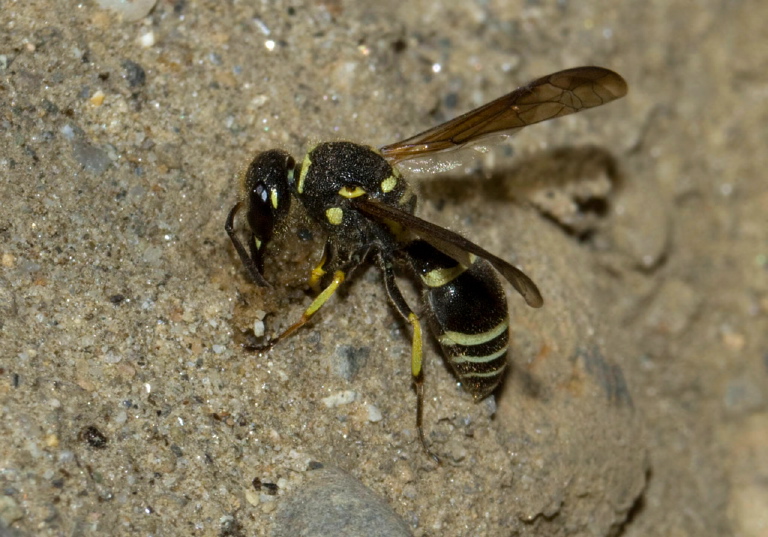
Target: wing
559	94
453	245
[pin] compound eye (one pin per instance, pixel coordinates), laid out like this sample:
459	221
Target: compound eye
351	191
261	193
261	217
264	196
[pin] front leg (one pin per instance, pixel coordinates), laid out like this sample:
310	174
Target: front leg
251	261
338	278
340	263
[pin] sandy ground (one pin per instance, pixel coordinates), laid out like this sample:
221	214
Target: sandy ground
637	398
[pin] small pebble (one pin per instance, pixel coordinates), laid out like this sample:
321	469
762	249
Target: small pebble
374	414
90	157
252	497
147	40
97	99
258	328
10	512
135	74
340	398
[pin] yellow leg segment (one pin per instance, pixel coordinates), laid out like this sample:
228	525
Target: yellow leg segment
317	273
416	351
418	380
317	303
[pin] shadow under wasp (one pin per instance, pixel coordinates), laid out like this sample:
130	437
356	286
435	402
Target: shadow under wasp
366	208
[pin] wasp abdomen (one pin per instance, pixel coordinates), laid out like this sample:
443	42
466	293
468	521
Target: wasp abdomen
468	315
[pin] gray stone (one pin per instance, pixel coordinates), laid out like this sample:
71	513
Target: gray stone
332	502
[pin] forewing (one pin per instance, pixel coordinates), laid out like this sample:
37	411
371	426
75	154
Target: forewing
559	94
453	245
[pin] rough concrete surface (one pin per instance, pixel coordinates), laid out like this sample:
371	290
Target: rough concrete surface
637	398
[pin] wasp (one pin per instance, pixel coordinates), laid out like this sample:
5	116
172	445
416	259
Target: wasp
364	205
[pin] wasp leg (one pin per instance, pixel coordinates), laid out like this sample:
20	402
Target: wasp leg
249	260
316	275
396	297
318	272
320	300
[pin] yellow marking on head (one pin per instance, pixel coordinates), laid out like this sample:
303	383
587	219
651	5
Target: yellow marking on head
441	276
305	165
257	242
351	192
389	184
469	340
273	198
334	215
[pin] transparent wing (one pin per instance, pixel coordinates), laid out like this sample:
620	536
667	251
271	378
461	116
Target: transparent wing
559	94
453	245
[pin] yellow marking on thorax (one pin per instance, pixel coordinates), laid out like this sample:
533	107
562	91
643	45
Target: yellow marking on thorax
273	198
349	193
305	165
334	215
389	184
469	340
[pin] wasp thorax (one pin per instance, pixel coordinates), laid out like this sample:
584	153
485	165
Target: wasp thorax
333	174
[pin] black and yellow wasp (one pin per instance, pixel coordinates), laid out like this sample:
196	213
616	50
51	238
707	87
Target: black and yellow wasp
365	206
